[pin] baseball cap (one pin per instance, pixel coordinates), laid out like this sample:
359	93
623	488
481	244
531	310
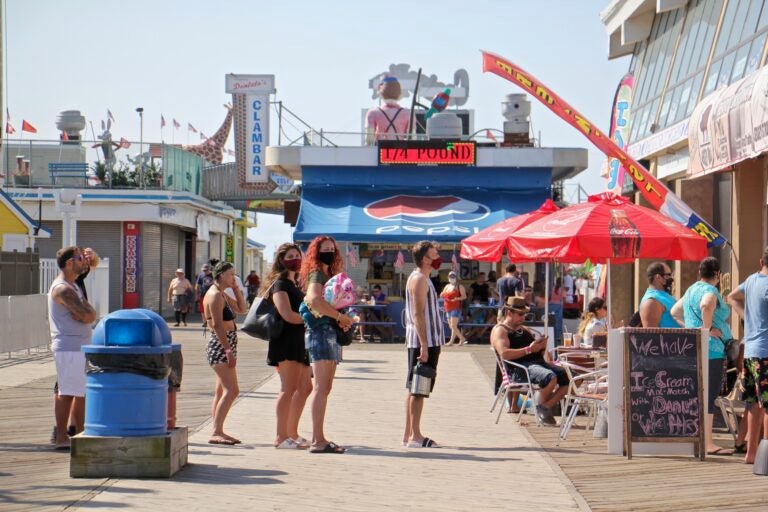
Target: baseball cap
451	274
179	270
205	267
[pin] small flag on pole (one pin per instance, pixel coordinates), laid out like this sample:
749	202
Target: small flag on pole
64	136
124	144
351	256
399	262
191	128
202	136
9	129
176	124
27	127
230	152
162	121
489	134
454	263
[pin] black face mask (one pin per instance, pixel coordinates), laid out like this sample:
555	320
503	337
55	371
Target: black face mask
327	257
668	285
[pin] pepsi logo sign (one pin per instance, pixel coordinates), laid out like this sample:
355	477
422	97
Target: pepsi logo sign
426	210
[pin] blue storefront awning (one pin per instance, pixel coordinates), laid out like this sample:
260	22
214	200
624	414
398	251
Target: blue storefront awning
406	204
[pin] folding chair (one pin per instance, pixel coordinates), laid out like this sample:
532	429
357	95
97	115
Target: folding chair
510	385
589	390
731	408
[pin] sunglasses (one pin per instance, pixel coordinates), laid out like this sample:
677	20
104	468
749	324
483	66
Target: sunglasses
665	274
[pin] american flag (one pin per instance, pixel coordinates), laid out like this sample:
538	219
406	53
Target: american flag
176	124
399	262
489	134
64	136
351	256
191	128
202	136
162	121
230	152
9	129
124	144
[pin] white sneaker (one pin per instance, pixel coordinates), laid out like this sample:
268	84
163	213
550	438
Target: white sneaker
466	341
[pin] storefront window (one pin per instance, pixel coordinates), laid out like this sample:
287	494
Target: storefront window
740	63
755	53
714	70
694	94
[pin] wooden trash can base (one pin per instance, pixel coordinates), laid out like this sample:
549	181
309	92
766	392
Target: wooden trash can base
128	457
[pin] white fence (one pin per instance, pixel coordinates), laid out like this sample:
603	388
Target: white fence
97	283
25	322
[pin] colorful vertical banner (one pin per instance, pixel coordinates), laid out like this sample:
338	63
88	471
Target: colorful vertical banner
250	99
229	249
620	119
132	266
655	192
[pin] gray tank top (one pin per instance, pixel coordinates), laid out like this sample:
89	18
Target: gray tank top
67	334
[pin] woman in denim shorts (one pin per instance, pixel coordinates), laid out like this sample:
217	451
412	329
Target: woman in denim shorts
321	262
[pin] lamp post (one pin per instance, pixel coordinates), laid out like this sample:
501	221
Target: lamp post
140	110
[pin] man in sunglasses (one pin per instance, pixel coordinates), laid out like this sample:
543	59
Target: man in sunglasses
70	317
515	342
656	304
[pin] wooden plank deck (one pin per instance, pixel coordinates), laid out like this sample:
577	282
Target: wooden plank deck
33	476
610	483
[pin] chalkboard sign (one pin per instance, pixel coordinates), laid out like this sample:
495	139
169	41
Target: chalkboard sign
663	395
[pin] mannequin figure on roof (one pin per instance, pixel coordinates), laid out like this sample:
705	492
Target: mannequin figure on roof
388	121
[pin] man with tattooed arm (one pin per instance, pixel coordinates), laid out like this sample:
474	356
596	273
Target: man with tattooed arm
70	317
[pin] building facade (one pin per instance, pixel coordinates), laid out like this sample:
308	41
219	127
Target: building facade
698	69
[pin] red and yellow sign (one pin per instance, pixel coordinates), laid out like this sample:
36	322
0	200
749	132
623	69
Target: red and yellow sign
394	152
654	191
131	269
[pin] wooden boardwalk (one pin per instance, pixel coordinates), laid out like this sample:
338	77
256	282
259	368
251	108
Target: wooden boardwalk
481	466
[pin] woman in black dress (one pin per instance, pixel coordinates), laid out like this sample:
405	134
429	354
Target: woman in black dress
287	352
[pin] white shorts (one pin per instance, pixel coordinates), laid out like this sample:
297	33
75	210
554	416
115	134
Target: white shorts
70	372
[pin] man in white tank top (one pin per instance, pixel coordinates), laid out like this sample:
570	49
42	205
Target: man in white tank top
423	334
70	317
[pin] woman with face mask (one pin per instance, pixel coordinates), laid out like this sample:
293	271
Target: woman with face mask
322	262
453	295
287	352
703	306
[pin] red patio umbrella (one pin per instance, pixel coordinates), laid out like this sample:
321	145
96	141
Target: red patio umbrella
489	244
606	228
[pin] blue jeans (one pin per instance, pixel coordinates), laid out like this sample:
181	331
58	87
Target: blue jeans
321	345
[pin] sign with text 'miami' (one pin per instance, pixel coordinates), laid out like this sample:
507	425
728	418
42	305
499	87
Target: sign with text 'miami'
396	152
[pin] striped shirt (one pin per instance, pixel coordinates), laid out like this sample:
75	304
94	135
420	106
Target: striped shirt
433	323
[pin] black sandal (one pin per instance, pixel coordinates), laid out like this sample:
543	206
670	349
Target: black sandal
740	448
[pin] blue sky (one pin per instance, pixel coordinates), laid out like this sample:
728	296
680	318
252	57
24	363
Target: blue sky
170	57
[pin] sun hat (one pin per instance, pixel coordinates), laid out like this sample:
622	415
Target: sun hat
518	304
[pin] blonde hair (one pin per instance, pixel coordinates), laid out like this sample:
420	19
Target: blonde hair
594	306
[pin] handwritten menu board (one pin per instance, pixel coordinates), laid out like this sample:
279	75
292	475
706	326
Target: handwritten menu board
663	388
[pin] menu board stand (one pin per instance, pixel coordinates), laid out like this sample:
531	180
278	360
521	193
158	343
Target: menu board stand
663	388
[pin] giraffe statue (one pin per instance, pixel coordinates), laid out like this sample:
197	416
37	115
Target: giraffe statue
212	149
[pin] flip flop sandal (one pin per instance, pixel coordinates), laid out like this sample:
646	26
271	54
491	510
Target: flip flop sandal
301	443
426	443
331	447
227	442
720	452
288	444
740	448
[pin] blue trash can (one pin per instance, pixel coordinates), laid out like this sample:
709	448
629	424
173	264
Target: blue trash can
127	377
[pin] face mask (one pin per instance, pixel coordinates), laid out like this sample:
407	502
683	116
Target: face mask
293	264
668	285
326	257
452	280
437	262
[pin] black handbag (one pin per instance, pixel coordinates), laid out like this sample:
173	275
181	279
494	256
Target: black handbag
263	320
343	338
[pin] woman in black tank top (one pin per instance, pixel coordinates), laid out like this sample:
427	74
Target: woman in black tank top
220	312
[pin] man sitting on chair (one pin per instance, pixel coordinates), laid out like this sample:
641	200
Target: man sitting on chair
515	342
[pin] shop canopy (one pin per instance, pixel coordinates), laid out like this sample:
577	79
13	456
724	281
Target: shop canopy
399	204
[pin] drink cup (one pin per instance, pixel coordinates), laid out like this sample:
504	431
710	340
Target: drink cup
567	339
577	339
